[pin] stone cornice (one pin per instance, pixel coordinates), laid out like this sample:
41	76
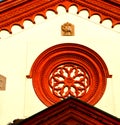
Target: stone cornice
16	12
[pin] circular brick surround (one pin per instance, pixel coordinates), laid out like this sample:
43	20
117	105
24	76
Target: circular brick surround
69	69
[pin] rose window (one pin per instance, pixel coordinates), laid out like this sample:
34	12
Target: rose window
69	69
69	80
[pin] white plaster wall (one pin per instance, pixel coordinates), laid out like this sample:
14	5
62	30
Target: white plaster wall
19	50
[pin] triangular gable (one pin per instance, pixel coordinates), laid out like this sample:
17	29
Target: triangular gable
71	111
16	12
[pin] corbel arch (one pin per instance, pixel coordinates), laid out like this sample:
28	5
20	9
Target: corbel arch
16	12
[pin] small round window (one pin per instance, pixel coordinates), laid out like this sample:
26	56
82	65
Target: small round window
69	69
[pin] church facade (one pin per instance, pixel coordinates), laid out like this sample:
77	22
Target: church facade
51	50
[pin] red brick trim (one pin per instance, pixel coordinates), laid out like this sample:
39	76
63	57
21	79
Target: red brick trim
16	12
69	54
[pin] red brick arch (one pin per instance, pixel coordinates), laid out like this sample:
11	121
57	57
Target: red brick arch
69	69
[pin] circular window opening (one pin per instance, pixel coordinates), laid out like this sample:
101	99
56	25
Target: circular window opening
69	80
69	69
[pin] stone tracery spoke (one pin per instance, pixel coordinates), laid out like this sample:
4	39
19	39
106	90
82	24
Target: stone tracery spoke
69	80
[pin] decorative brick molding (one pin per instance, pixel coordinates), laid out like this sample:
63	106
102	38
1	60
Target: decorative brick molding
16	12
69	69
71	111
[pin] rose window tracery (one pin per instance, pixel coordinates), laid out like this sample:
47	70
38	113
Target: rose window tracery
69	80
69	69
